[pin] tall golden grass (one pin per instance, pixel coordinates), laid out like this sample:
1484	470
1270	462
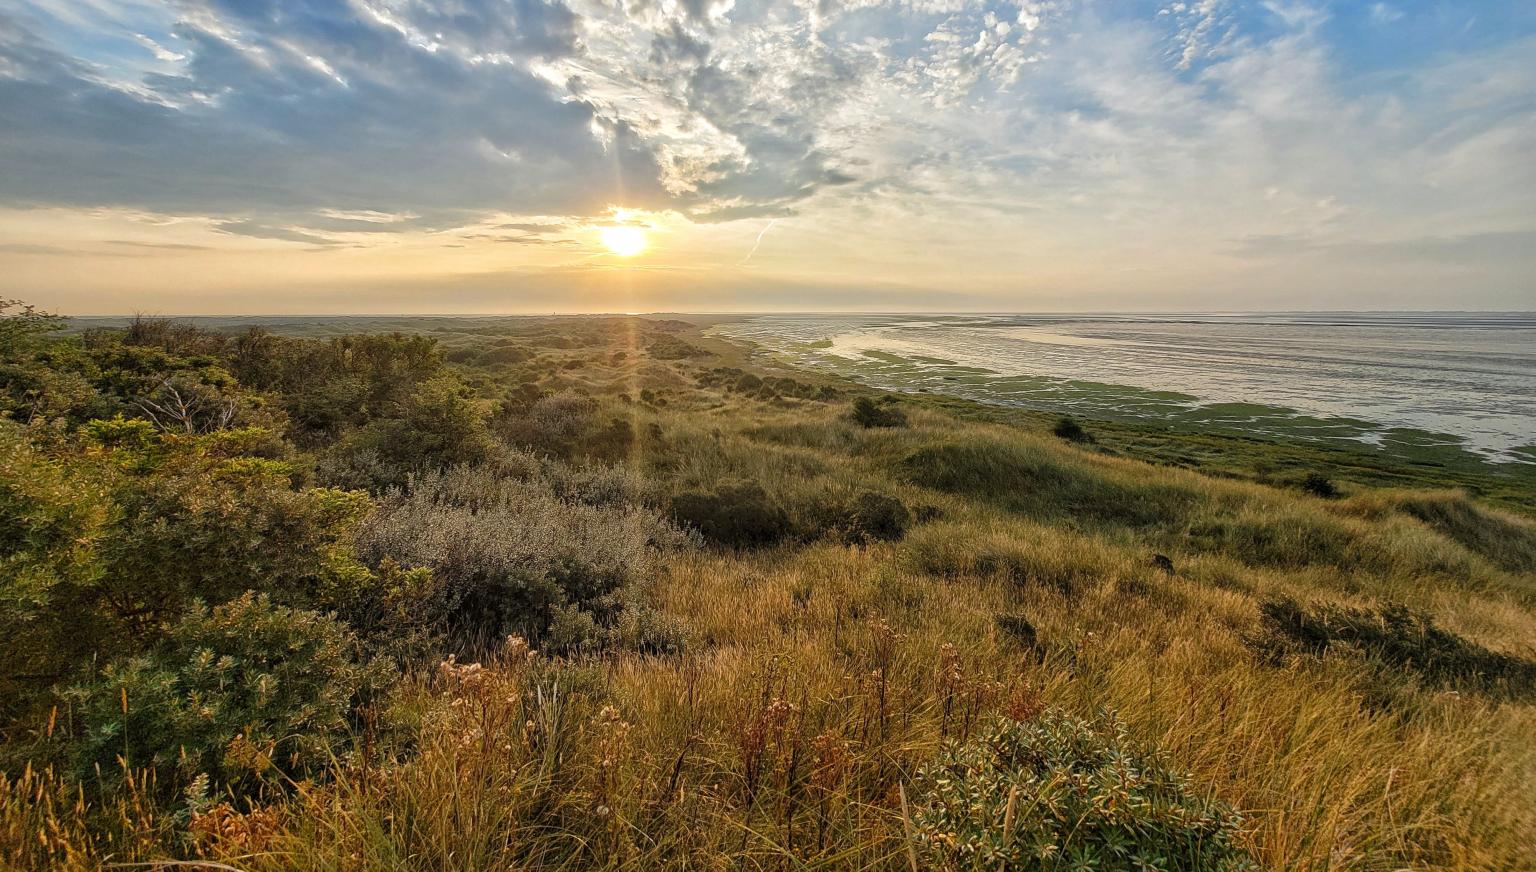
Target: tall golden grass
819	676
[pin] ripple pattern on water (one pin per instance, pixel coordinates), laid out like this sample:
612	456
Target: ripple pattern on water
1400	381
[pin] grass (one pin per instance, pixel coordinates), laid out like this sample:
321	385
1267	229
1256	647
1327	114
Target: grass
819	678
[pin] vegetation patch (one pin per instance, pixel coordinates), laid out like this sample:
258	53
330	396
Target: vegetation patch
736	514
1070	430
1506	542
1394	638
510	556
1056	792
1042	483
869	413
245	695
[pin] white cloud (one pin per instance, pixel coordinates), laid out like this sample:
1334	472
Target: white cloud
948	130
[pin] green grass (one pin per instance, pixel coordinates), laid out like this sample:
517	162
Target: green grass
819	678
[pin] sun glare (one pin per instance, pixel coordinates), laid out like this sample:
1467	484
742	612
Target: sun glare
624	240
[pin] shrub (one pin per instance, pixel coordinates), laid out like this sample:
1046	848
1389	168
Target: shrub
508	553
435	426
232	694
868	413
737	514
859	519
1070	430
51	516
1078	796
875	517
1395	638
1283	536
1319	485
566	425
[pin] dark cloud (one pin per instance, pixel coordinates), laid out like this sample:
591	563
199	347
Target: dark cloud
286	108
278	110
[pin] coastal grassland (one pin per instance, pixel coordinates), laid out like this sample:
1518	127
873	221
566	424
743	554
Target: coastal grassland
1257	442
845	609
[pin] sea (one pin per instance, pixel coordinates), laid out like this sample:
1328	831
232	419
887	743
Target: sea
1405	382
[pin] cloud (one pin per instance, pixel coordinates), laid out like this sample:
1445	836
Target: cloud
281	110
992	142
159	246
255	230
1471	249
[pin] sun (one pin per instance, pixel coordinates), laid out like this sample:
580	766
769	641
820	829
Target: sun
624	240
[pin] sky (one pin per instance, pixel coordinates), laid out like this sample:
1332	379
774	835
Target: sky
508	156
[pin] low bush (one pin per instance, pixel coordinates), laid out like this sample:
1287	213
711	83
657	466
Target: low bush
737	514
1394	638
868	413
1070	430
1319	485
1059	793
566	425
1290	537
868	517
246	694
1020	629
877	517
437	426
508	553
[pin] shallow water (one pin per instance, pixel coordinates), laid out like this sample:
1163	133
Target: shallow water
1402	381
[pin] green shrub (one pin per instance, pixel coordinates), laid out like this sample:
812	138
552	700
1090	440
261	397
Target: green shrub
1396	639
737	514
1070	430
1079	797
1319	485
245	694
566	425
1278	537
51	516
435	426
868	413
1020	629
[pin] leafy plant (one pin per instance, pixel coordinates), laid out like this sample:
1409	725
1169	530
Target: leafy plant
1059	793
870	516
244	694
